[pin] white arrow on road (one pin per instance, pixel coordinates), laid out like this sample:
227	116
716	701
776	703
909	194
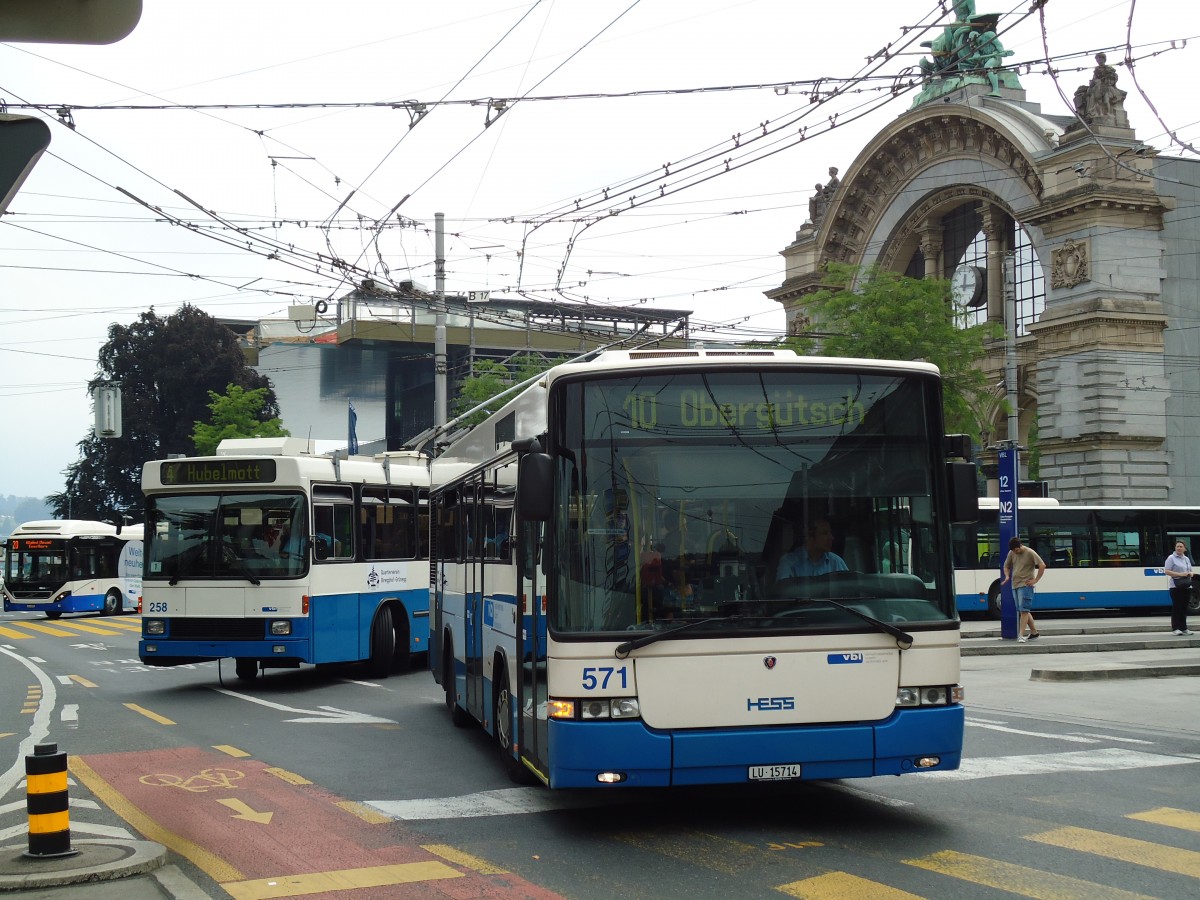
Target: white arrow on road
324	715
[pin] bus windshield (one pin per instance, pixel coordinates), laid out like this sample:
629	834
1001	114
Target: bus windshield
36	564
226	535
750	499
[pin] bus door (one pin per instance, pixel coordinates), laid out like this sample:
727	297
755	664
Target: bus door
473	598
532	692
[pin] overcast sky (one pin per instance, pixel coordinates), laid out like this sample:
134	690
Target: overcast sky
577	192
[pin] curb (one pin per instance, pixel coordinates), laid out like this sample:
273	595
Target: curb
97	860
1112	674
1042	646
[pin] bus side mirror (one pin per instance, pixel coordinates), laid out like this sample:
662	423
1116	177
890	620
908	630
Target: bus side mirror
535	487
964	493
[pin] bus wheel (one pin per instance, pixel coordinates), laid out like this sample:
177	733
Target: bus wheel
402	657
383	644
246	669
1193	604
112	603
993	606
53	613
502	725
458	715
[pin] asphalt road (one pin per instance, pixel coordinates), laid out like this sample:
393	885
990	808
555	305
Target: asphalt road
1078	788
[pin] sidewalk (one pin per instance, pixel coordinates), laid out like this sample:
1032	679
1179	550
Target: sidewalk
1118	648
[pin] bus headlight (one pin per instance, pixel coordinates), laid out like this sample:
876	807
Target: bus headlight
626	708
154	626
598	708
63	596
939	695
281	627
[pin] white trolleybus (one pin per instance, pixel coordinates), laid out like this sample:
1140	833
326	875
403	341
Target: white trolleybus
72	565
624	592
274	556
1097	557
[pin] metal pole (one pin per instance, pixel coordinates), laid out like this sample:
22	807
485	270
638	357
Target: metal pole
1010	347
439	322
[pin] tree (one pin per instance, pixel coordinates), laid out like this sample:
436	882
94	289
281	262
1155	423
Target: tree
235	415
877	314
165	369
491	377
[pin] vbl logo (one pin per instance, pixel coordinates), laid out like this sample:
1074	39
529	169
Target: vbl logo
836	659
765	704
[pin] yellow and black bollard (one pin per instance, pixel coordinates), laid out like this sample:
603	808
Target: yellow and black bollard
47	802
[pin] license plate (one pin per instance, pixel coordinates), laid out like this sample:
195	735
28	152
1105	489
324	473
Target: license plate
775	773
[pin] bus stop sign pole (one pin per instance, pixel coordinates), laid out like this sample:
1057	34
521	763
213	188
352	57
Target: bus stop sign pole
1008	457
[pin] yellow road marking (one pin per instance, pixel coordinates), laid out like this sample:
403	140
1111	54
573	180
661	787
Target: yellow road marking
1172	818
364	812
215	867
161	720
343	880
1015	879
80	680
466	860
47	629
843	886
83	626
1111	846
230	751
7	734
13	634
698	848
285	775
133	625
243	810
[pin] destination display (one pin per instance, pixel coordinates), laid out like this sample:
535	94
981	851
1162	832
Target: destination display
797	403
217	471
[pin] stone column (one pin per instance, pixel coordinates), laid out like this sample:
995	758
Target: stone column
995	229
932	236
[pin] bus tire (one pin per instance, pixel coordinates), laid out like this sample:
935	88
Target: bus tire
53	613
502	727
1193	603
246	669
383	644
458	715
994	600
402	655
112	603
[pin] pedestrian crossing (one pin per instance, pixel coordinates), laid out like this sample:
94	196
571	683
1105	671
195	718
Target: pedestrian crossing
26	629
954	868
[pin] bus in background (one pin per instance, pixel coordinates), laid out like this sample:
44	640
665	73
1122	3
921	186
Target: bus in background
1097	557
72	565
274	556
609	599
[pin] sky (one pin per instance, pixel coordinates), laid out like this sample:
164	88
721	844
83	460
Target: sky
608	152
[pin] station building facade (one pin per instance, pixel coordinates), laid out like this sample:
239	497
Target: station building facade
1104	283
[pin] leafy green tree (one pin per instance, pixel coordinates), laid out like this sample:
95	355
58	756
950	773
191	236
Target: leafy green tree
165	369
491	377
236	414
877	314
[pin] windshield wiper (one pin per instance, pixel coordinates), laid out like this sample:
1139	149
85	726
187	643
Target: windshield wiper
623	650
904	640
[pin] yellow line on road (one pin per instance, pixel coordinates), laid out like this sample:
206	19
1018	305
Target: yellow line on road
230	751
364	812
1110	846
215	867
47	629
466	860
130	625
1020	880
285	775
80	680
161	720
13	634
343	880
1172	818
83	626
843	886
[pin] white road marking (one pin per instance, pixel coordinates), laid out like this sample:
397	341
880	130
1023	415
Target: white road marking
39	725
323	714
1074	739
1106	760
77	828
505	802
1117	740
866	795
70	715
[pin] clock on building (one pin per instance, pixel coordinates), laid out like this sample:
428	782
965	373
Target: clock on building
967	286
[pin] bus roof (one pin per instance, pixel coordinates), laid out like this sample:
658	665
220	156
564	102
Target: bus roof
68	528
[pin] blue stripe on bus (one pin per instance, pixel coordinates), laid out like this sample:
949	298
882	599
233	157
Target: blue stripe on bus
652	758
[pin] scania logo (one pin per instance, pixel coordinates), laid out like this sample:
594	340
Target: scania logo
769	662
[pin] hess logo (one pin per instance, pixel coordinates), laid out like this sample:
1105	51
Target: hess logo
768	704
